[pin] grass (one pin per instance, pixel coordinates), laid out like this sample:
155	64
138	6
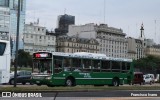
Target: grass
76	88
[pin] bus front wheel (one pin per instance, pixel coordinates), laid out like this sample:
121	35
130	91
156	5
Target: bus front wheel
49	85
115	82
39	84
69	82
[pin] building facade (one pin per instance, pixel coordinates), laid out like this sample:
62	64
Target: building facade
153	50
63	23
8	17
4	22
136	48
4	3
35	39
13	24
71	44
111	40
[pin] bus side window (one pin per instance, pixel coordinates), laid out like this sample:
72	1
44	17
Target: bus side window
123	68
76	64
105	66
86	65
57	65
128	66
96	65
67	64
116	66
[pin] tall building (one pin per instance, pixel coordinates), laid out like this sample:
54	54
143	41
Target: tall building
4	3
35	39
4	22
8	22
4	19
111	40
13	22
63	23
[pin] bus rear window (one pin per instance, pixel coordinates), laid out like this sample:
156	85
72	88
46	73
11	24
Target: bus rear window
2	48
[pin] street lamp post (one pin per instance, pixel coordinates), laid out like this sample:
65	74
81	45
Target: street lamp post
17	40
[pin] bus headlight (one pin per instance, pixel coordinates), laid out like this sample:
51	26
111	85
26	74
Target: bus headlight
48	78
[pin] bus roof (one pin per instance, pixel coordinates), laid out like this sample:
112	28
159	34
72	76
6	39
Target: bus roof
90	56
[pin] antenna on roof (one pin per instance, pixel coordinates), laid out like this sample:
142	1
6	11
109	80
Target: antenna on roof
64	11
104	9
38	21
155	26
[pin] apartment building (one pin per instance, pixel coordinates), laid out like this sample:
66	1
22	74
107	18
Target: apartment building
112	41
136	48
71	44
35	39
153	50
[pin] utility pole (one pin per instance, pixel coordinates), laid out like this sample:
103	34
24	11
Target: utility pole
156	35
17	40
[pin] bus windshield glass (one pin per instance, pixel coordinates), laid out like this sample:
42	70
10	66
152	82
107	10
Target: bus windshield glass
42	66
2	48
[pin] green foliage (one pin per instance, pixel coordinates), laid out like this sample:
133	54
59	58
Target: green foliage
150	62
24	58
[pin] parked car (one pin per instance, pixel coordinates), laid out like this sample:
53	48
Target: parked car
149	79
23	77
138	78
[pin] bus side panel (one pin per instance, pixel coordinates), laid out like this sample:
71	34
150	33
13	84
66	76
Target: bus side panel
101	78
97	78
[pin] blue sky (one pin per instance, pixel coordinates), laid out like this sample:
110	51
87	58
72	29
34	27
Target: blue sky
125	14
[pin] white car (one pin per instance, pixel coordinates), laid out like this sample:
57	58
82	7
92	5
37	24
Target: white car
148	79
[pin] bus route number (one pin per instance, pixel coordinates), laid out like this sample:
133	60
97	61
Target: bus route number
86	75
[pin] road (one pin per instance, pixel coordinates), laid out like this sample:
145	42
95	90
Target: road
94	95
20	85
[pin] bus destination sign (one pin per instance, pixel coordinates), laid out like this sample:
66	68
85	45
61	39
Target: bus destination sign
42	55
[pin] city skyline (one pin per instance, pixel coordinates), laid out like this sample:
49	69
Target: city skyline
127	15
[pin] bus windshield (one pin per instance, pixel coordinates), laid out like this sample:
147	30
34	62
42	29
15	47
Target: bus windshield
42	66
2	48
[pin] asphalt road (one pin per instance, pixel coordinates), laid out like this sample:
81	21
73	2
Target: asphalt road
93	95
28	85
96	95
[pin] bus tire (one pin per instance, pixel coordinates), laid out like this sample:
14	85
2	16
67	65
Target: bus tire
150	82
115	82
39	84
69	82
49	85
23	83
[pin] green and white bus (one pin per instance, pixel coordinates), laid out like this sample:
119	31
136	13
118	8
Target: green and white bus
81	68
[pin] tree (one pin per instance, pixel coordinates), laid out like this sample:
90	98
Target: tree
24	58
150	63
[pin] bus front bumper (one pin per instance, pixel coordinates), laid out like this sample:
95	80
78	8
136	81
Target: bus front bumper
42	81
